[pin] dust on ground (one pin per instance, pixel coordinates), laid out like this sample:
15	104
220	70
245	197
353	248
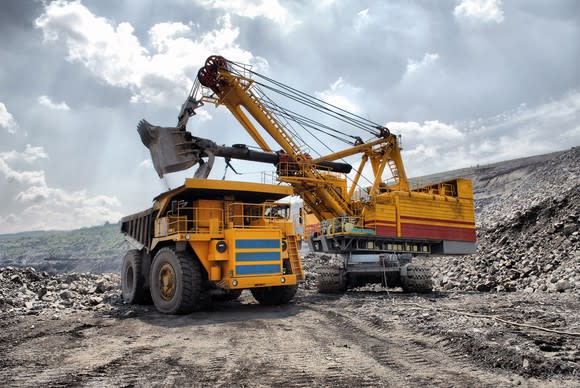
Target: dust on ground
361	338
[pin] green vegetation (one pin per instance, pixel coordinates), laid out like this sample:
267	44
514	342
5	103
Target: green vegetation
96	249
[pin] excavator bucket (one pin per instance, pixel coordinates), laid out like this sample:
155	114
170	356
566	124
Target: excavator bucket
168	146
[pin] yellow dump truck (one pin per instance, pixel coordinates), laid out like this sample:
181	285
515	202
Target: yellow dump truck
211	239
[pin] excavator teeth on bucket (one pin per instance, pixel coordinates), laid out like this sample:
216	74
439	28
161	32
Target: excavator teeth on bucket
169	147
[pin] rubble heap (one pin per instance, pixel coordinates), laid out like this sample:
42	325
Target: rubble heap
528	235
25	290
507	189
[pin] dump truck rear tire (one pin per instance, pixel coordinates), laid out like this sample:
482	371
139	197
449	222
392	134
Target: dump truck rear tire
133	289
176	282
273	296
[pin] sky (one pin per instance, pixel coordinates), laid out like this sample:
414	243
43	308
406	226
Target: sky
464	82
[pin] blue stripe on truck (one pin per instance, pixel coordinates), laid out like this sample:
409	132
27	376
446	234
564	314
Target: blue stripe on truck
259	269
257	243
257	256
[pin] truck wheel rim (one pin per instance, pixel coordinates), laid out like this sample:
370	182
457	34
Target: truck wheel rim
167	281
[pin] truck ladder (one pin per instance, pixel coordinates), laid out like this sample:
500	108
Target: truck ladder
295	262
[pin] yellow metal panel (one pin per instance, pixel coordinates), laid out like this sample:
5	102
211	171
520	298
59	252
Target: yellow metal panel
258	281
215	273
206	210
437	211
465	189
238	186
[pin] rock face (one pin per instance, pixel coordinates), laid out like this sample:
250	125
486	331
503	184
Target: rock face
528	230
27	291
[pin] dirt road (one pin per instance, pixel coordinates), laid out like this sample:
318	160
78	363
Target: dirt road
358	339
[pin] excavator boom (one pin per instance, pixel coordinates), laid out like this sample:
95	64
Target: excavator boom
175	149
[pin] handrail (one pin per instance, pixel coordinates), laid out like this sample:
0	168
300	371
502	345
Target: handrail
344	225
242	215
195	220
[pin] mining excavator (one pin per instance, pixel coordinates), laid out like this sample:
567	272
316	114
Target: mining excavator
376	228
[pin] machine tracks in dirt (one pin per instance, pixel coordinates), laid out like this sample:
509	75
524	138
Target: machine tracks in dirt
357	339
411	358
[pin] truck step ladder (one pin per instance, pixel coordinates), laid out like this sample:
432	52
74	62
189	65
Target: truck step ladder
294	256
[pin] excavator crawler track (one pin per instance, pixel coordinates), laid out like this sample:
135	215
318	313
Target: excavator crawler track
331	280
417	279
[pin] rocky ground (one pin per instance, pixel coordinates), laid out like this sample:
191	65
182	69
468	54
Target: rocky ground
508	315
528	230
25	291
61	330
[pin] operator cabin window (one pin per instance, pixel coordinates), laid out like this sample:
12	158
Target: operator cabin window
276	212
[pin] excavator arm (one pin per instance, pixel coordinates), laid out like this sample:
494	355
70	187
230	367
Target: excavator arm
321	194
316	180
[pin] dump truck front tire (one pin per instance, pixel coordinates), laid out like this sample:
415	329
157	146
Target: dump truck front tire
133	287
273	296
176	282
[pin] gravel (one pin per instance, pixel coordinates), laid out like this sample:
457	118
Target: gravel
27	291
528	233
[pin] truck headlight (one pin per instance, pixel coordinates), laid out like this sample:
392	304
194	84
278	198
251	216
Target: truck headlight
221	246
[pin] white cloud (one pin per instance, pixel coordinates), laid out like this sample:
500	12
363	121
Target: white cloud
481	11
46	101
269	9
24	177
362	19
114	55
341	94
434	146
414	67
429	130
29	155
146	163
203	115
45	207
7	120
56	209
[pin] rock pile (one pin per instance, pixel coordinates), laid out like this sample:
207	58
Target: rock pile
505	190
27	291
528	235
